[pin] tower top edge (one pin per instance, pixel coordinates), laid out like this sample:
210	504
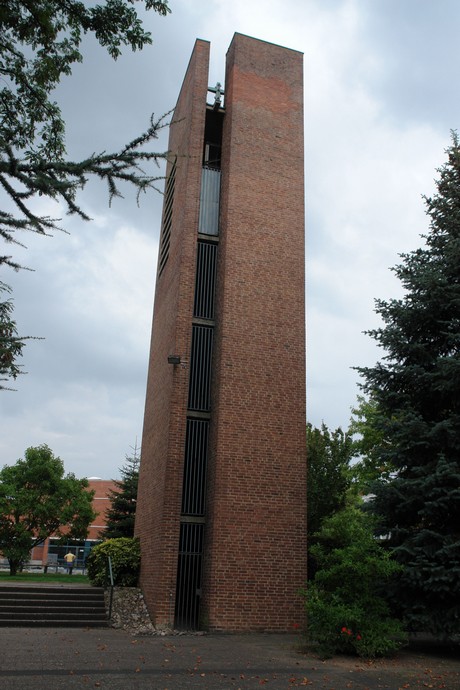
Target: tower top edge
237	35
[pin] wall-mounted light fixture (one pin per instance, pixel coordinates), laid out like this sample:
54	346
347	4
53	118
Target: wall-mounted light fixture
173	359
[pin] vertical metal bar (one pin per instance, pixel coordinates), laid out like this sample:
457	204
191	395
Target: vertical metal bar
205	280
200	368
189	575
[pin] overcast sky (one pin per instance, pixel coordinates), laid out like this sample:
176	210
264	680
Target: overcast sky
381	96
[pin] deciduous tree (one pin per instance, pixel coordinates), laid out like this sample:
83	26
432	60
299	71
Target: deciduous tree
329	478
371	445
38	500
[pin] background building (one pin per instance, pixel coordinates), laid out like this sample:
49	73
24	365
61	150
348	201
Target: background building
221	509
58	547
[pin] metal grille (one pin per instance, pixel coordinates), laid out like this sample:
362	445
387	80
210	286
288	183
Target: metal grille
167	218
194	485
199	395
209	202
188	589
205	280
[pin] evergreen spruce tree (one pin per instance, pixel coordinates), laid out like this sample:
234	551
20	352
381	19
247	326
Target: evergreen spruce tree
416	388
122	513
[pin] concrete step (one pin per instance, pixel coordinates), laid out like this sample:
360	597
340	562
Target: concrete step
44	611
52	606
37	597
50	590
83	623
51	603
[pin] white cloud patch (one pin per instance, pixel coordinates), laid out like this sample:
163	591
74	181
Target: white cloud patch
90	297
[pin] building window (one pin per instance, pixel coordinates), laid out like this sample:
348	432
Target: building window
209	202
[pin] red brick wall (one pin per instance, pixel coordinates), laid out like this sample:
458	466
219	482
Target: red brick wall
101	503
256	523
255	539
161	467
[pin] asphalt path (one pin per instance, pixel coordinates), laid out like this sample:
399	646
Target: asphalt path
54	658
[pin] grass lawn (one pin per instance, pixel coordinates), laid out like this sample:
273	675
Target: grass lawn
44	577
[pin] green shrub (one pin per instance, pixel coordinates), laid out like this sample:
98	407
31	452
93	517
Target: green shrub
335	627
125	556
346	609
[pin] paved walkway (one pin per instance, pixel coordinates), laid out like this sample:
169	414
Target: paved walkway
51	659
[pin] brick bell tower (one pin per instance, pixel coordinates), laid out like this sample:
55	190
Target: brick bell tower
221	510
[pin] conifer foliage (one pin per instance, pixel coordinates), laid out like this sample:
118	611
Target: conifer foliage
39	45
10	344
416	388
122	512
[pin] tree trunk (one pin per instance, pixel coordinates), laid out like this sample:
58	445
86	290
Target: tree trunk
14	565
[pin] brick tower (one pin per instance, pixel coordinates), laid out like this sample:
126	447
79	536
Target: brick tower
222	491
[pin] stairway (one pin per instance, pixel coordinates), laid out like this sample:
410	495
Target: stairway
52	607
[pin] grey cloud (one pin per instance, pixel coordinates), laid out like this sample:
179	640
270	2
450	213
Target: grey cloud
417	41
